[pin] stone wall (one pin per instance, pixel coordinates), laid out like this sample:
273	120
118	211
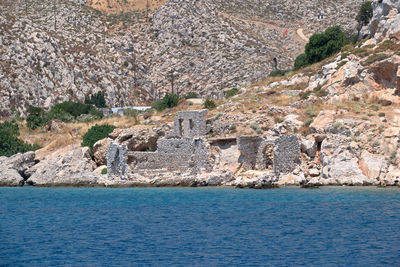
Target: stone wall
265	155
286	154
172	154
189	124
144	160
248	147
116	161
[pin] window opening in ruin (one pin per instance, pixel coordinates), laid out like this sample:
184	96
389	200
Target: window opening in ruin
269	156
180	126
191	124
319	145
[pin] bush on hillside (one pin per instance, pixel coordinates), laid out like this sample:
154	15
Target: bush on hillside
168	101
95	134
191	95
10	144
65	111
36	118
301	61
232	92
276	73
321	46
364	15
209	104
96	99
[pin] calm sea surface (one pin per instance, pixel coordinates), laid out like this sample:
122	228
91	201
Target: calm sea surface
199	227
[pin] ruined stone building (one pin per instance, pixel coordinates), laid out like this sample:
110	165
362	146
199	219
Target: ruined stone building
186	149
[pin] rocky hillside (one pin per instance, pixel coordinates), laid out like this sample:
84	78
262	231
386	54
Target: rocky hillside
343	111
54	52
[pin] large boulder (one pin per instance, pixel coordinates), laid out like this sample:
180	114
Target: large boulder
54	126
10	177
100	151
309	147
15	169
75	168
138	138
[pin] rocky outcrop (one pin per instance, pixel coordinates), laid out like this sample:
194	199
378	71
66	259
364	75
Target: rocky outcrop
132	59
15	169
75	168
138	138
100	151
386	20
54	126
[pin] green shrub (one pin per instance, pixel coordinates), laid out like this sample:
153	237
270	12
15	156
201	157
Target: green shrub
168	101
132	113
95	134
191	95
104	171
305	95
301	61
364	15
308	122
59	114
10	144
233	127
276	73
209	104
75	109
310	111
65	111
96	99
321	46
373	58
232	92
37	117
256	127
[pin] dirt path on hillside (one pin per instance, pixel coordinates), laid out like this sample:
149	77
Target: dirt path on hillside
301	34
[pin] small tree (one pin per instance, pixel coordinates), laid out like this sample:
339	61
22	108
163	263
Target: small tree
209	104
97	99
168	101
364	16
321	46
95	134
10	144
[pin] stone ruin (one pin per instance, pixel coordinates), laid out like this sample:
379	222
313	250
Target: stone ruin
187	149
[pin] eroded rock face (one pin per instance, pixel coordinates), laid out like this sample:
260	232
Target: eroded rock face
386	72
75	168
386	20
372	165
15	169
340	167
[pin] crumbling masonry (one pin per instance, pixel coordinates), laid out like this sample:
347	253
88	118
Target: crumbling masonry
187	149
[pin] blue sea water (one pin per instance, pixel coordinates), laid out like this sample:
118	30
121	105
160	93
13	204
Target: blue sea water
199	227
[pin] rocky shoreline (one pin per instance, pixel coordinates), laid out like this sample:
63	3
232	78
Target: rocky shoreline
77	169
